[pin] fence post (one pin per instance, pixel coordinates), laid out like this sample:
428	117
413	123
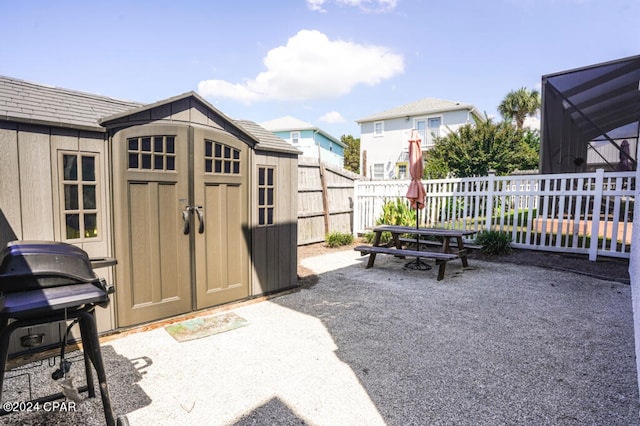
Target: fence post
356	208
490	191
595	215
325	197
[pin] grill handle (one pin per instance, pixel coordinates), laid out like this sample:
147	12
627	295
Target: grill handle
102	262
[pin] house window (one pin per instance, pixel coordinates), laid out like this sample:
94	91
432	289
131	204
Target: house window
221	159
433	127
152	153
79	195
429	130
402	171
266	195
295	138
378	171
378	128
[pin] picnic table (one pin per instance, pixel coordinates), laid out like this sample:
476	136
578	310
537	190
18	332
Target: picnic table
449	241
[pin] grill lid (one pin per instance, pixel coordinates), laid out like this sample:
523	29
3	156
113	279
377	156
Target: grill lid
30	265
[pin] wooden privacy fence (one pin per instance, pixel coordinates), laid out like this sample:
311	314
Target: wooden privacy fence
325	200
588	213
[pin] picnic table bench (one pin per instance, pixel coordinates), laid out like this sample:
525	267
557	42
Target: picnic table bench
395	246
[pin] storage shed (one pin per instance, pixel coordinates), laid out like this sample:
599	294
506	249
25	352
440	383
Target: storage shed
197	208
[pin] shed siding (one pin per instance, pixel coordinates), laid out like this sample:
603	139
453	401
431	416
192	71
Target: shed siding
30	207
272	244
10	217
35	183
66	140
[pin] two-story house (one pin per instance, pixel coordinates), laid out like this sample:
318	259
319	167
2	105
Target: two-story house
311	140
384	136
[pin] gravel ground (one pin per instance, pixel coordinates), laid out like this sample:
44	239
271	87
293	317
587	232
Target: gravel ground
495	343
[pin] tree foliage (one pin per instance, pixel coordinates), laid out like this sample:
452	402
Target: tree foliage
473	150
519	104
351	153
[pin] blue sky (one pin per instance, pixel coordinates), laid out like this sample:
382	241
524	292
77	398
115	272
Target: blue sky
327	62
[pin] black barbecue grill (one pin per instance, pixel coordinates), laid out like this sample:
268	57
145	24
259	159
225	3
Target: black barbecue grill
44	282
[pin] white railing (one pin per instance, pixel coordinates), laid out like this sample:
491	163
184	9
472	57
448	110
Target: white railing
560	212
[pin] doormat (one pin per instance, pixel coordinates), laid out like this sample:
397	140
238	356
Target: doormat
198	328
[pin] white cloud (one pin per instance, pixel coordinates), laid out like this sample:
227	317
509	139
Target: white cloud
316	5
222	89
375	6
332	117
311	66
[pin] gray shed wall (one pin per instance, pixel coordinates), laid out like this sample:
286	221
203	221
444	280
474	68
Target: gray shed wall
273	243
30	199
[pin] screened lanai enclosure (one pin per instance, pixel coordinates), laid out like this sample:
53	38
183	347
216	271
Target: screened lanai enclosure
590	118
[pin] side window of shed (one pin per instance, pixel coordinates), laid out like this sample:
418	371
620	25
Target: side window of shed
79	193
266	195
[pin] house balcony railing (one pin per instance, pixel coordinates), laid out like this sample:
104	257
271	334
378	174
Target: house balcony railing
428	137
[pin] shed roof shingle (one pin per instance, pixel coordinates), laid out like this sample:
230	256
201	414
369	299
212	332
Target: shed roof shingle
33	103
268	141
27	102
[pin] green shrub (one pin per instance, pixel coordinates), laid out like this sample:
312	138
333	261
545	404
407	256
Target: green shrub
394	212
494	242
337	239
397	212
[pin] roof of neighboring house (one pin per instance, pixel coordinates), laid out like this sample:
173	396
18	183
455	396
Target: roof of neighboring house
421	107
32	103
288	123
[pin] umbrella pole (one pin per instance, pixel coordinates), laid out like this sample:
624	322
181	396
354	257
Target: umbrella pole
418	264
417	226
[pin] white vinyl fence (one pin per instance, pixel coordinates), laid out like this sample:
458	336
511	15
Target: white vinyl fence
587	213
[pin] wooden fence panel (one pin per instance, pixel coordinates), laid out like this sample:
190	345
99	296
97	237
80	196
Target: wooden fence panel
325	201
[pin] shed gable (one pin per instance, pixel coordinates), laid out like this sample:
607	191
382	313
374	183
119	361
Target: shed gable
188	109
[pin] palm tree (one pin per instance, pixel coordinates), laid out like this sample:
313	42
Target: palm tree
519	104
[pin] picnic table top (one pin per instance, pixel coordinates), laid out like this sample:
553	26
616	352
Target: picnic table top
398	229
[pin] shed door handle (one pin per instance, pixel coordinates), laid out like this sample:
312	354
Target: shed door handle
200	219
186	227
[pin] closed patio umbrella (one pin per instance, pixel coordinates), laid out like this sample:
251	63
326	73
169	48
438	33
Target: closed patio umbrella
416	193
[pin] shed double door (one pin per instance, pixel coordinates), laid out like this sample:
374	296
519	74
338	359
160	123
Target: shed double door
183	242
